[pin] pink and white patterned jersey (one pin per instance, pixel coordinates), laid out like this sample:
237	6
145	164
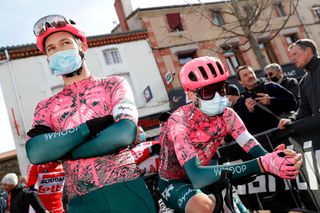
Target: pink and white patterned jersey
74	105
190	133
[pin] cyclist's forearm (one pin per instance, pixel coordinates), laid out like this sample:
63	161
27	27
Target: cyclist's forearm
201	176
250	145
116	136
257	151
53	146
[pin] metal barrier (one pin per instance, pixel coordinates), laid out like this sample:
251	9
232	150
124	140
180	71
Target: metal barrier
269	192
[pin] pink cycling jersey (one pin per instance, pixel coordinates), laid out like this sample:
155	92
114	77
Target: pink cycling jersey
74	105
190	133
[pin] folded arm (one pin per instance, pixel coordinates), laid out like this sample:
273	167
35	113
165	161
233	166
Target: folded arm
118	135
53	146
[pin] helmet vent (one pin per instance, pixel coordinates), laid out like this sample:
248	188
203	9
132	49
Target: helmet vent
221	70
213	71
192	76
203	72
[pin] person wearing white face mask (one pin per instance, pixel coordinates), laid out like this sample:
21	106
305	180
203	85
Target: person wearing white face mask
194	132
88	126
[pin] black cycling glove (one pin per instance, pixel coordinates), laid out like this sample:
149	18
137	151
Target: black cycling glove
96	125
39	130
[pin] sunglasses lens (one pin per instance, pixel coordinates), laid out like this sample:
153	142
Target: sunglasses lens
208	92
44	23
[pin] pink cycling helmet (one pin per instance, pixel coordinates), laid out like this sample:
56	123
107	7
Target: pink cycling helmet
55	23
201	72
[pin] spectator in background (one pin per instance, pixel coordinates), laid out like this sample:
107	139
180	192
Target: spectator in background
3	200
304	54
263	102
19	199
274	73
23	181
234	97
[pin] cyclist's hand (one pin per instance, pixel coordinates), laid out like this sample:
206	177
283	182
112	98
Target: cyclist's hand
283	163
96	125
283	123
250	104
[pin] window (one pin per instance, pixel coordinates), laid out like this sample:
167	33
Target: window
291	38
280	9
268	52
185	57
174	22
233	57
217	18
316	11
111	56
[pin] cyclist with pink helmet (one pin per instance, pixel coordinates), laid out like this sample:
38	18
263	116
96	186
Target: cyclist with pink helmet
194	132
87	126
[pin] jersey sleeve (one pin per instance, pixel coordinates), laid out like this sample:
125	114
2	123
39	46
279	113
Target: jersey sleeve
122	99
32	175
178	133
238	131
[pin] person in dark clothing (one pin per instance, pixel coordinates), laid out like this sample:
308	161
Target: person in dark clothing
19	198
304	54
263	103
3	200
274	73
234	97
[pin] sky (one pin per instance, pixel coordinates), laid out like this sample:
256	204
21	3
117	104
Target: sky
95	17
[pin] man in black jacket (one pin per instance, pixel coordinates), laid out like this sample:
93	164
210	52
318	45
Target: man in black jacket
304	54
19	199
263	103
274	73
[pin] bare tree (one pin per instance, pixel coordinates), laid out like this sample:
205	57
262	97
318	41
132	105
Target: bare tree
250	19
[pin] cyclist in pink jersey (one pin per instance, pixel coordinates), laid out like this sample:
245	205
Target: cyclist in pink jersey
194	132
88	126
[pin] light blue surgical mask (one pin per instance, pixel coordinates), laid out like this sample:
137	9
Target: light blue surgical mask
65	62
142	137
214	106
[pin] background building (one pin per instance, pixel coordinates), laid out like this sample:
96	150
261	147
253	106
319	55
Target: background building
182	32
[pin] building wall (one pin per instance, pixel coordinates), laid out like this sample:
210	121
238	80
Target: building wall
309	19
34	82
9	166
199	30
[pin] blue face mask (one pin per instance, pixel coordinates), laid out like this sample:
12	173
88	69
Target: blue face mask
142	137
214	106
65	62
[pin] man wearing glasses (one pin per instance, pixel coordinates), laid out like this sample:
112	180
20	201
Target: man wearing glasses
87	126
304	54
194	132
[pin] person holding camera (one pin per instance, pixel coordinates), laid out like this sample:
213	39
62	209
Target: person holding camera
263	103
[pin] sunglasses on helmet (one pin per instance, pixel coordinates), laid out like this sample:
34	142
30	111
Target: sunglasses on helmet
208	92
51	21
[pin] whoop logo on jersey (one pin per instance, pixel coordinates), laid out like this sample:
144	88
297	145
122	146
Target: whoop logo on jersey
50	136
234	169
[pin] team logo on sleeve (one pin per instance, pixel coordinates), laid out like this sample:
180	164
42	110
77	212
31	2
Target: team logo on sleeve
125	109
